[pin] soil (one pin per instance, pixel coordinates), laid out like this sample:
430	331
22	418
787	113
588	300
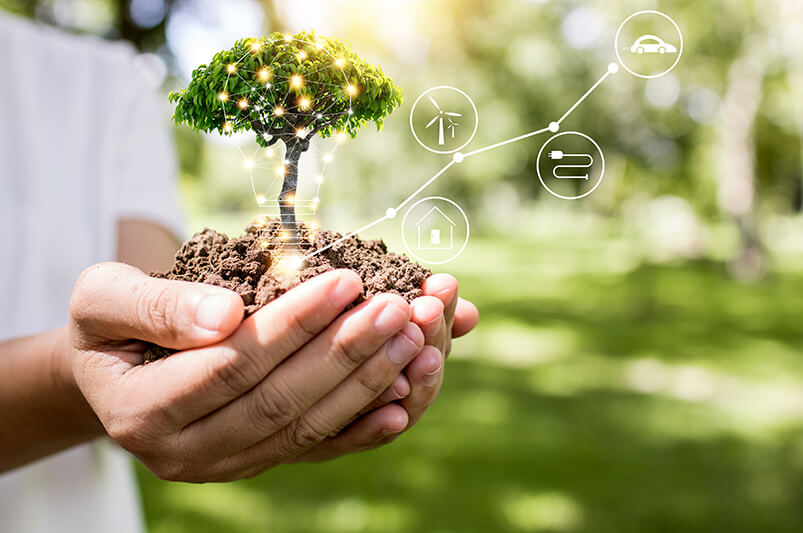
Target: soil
256	265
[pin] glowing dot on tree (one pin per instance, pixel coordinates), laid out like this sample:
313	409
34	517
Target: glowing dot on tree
341	136
256	46
231	68
327	157
319	45
301	133
319	179
302	55
296	81
304	103
319	116
339	62
278	111
249	164
242	103
260	199
228	127
263	74
288	38
224	96
351	89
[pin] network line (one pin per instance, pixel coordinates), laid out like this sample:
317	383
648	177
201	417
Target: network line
458	157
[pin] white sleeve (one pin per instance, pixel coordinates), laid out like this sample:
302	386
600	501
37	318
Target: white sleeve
146	170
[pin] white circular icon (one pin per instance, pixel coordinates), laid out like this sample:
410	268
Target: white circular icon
441	119
438	230
644	45
572	165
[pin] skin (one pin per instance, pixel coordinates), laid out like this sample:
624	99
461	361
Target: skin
297	381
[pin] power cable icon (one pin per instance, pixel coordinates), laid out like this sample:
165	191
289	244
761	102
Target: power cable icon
557	155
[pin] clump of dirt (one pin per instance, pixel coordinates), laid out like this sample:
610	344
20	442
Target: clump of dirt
258	265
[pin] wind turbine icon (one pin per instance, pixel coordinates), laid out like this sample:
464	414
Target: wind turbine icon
439	118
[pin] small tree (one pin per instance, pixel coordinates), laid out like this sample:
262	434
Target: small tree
287	88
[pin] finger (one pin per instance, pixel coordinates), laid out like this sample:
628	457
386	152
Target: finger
427	312
335	410
399	389
364	433
426	376
306	377
114	301
443	287
466	317
201	381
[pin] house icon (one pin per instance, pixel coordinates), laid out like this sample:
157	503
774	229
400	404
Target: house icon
435	231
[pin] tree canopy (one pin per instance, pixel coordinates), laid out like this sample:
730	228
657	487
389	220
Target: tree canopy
284	87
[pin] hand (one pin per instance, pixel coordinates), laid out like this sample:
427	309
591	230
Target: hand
441	315
260	393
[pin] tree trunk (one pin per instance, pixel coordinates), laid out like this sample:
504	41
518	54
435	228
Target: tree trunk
287	207
736	194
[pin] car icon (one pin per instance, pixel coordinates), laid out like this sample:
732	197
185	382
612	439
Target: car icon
650	44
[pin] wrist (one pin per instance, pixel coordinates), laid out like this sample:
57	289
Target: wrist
67	396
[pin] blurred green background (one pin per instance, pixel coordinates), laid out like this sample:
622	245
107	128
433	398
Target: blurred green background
637	367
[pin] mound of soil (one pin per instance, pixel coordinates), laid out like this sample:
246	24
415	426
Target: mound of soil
258	266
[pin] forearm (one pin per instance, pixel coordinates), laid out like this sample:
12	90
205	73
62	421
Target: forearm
41	409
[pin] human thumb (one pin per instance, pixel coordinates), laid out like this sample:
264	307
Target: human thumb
114	301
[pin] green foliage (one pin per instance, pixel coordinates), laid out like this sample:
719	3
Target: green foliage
277	84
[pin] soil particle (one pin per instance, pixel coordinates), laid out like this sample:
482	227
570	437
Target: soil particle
257	265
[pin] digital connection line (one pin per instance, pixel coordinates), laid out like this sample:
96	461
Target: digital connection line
458	157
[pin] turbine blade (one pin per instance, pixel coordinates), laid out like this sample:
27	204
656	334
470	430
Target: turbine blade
431	122
434	102
453	114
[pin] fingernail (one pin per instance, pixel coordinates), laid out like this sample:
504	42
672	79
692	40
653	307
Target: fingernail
390	320
401	349
342	293
430	379
211	311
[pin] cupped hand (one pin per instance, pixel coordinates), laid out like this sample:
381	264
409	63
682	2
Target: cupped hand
242	396
441	315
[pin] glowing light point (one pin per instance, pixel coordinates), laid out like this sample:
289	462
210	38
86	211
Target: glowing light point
319	116
351	89
316	200
268	85
319	179
265	245
223	96
278	111
288	38
351	111
327	157
249	164
613	68
458	157
260	199
341	136
256	46
231	68
296	81
340	63
228	127
263	74
304	102
390	212
302	55
554	126
301	133
242	103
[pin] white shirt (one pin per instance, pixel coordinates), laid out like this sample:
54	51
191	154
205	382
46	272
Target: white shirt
84	141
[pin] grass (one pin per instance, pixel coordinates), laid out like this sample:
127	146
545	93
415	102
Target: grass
596	396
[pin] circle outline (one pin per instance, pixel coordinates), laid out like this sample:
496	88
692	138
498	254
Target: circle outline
465	242
476	120
619	31
538	165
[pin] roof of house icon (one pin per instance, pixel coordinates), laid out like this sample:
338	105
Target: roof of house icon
420	220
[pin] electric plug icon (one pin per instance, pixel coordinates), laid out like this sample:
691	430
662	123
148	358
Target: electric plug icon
558	155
